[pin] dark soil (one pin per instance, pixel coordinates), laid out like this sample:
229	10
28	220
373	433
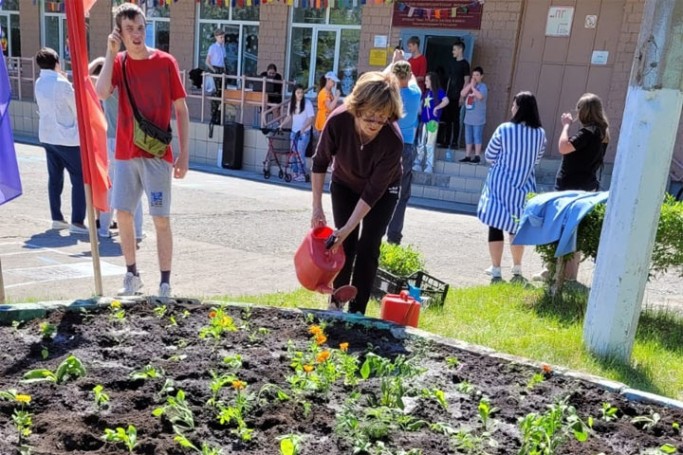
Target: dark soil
66	420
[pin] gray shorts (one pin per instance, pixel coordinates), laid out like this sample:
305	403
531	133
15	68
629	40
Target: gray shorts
151	175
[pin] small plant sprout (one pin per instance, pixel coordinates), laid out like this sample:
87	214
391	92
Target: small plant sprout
148	372
648	421
290	444
44	353
668	448
160	311
178	412
485	411
677	427
234	362
128	437
452	362
70	368
23	421
219	323
101	398
608	412
536	379
187	444
117	313
47	330
436	394
465	387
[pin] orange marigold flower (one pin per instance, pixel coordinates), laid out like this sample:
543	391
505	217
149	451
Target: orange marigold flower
320	339
547	369
308	368
238	385
344	347
322	356
315	330
212	314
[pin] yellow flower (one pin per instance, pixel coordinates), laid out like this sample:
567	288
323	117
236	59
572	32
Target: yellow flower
320	339
24	399
238	385
308	368
322	356
315	330
115	304
344	347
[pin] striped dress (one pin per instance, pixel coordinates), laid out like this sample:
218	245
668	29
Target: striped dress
514	151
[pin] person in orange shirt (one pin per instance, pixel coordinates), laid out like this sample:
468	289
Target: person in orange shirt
328	99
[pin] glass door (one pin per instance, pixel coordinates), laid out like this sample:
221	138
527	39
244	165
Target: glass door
5	36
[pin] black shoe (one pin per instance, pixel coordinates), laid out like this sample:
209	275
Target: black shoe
476	159
467	159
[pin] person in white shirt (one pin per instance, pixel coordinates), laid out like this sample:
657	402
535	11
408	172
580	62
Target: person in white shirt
215	62
301	115
58	134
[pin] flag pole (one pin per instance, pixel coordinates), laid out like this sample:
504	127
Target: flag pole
94	241
2	286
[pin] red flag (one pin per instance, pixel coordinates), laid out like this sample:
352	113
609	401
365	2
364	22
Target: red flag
92	125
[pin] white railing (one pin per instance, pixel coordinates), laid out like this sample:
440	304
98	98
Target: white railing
20	69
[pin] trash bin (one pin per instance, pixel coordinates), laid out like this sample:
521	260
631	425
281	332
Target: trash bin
233	145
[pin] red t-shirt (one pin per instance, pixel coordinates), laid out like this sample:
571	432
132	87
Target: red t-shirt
154	84
418	65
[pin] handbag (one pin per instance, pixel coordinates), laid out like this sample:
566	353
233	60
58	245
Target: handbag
146	135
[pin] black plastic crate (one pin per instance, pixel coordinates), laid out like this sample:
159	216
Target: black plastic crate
430	287
387	283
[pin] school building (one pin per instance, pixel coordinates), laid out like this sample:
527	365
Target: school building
557	49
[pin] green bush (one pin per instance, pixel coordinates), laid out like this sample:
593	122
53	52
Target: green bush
668	248
400	260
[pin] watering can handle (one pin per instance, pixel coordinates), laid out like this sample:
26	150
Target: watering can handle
330	241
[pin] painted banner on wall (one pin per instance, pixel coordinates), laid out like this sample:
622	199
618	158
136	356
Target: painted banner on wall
454	14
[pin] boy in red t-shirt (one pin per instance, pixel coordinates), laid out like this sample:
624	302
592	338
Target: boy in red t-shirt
155	86
418	62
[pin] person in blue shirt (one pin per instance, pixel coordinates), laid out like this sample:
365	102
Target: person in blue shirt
475	95
434	101
411	96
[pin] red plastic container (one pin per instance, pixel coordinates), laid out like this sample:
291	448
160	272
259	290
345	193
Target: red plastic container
401	309
316	267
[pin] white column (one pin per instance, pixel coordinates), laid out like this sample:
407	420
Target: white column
644	153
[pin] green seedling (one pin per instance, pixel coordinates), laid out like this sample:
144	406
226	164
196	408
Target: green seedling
44	353
677	427
160	311
608	412
206	449
116	311
47	330
23	421
101	398
70	368
436	394
178	412
535	380
290	444
668	448
648	421
234	362
465	387
452	362
219	323
485	411
542	434
148	372
128	437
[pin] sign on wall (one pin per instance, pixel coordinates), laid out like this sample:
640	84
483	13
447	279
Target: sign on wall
454	14
559	21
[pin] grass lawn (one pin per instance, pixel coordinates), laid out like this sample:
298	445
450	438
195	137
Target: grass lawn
523	321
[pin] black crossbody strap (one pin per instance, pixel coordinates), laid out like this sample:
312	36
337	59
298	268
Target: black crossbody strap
136	113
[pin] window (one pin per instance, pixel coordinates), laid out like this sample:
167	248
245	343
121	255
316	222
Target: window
322	41
241	26
10	33
157	34
55	35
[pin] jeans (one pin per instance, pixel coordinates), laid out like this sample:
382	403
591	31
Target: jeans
59	158
302	140
394	232
474	134
361	247
425	150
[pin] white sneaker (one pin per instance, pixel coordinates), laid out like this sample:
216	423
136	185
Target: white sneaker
131	284
493	272
517	270
543	275
57	224
164	291
73	229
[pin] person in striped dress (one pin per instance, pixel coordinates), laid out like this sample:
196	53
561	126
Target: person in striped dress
514	150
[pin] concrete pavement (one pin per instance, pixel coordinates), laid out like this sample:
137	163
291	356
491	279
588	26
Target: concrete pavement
233	235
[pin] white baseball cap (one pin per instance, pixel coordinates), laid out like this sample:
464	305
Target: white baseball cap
331	75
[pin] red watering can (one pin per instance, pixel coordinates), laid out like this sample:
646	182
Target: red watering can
317	265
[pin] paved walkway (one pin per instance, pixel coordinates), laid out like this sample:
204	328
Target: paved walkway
232	236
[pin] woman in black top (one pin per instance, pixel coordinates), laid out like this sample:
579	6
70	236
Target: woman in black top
583	153
582	158
363	141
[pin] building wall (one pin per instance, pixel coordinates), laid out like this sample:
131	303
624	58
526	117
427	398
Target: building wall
273	35
375	20
29	20
182	34
101	25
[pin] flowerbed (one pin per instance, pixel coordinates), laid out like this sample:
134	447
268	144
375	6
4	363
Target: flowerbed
211	379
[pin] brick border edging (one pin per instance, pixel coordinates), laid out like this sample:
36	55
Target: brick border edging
28	311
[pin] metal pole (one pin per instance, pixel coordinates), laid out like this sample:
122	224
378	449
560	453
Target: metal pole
94	243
